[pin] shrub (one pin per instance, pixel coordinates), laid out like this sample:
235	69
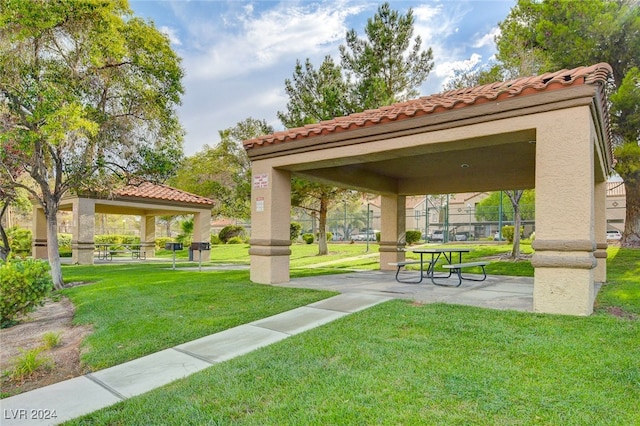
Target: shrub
64	241
24	284
294	230
161	241
215	240
507	232
412	237
229	232
108	239
235	240
19	240
51	339
329	236
308	238
28	363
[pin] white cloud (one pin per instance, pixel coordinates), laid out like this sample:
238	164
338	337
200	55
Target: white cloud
285	32
487	39
172	33
447	69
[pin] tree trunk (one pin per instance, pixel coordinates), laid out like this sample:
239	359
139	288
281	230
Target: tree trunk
52	248
322	231
631	235
515	252
515	197
5	249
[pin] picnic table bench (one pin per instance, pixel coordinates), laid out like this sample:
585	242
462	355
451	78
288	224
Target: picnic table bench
106	251
456	268
404	263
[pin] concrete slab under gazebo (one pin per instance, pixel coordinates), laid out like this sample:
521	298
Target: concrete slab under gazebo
146	200
548	132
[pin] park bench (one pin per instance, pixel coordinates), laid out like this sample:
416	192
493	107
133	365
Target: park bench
107	251
456	268
403	264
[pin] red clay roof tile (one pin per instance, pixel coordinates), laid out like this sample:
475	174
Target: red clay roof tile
460	98
161	192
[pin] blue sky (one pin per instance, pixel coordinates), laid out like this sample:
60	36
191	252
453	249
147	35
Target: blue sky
237	54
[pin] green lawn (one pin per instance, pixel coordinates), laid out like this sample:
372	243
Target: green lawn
402	363
138	309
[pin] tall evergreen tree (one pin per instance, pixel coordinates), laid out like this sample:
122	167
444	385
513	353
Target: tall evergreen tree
387	66
314	96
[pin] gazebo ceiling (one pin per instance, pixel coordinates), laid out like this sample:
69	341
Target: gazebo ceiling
451	142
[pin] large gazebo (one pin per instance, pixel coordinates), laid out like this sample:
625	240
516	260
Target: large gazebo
146	200
548	132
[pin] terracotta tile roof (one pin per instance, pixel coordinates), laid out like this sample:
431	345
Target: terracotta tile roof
161	192
454	99
615	189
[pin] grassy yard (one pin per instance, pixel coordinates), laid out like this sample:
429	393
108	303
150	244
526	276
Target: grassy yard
402	363
138	309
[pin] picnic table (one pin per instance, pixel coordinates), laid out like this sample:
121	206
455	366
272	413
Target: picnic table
429	257
106	251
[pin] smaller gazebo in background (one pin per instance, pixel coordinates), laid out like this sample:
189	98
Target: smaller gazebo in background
146	200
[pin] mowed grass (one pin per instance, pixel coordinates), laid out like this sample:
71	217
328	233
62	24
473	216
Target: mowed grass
405	363
138	309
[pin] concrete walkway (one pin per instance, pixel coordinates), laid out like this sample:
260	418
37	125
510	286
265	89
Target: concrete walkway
496	292
359	290
85	394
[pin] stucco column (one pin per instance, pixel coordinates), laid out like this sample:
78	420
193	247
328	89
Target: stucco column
148	236
83	229
564	260
600	273
202	233
392	230
39	233
270	223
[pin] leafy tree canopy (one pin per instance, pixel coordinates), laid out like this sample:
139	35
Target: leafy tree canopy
89	94
223	173
489	208
556	34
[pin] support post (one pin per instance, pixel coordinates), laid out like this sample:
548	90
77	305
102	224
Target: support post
202	233
564	260
148	236
600	273
83	229
270	224
392	230
39	244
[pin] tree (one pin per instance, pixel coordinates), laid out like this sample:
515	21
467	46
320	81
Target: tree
626	120
315	96
386	69
223	173
90	93
559	34
488	209
521	205
388	66
514	197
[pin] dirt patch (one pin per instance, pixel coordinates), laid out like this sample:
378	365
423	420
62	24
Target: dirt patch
621	313
56	317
